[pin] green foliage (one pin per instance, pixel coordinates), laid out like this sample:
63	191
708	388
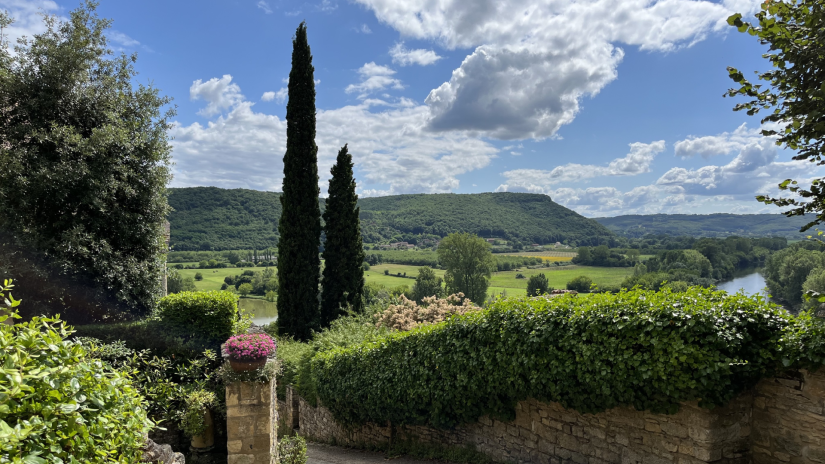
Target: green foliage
580	284
85	159
176	283
648	350
198	276
213	314
209	218
292	450
245	289
795	96
601	256
815	282
411	257
469	264
60	405
787	271
343	283
300	223
197	402
537	285
717	225
426	284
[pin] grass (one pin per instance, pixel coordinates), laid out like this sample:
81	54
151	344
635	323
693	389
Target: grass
545	255
504	281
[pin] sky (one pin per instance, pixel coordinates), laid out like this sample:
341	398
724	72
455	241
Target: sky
610	107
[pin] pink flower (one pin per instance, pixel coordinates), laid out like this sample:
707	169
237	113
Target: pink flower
249	347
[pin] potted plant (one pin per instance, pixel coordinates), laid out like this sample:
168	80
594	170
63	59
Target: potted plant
249	351
197	419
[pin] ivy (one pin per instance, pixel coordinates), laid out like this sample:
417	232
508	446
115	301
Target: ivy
649	350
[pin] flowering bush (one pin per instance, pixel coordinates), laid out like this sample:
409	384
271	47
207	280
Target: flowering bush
407	315
249	347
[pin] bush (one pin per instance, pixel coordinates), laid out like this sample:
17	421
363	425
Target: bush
537	285
638	348
245	289
213	314
60	404
386	272
292	450
580	284
407	315
198	276
197	402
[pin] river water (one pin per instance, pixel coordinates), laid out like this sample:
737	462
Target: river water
748	280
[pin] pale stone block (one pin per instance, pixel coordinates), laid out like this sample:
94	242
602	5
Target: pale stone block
240	459
234	446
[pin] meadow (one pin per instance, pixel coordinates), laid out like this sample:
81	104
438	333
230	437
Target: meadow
504	282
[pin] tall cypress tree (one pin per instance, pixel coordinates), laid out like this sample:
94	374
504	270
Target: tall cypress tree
300	224
343	283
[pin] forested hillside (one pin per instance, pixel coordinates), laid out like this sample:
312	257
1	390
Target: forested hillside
207	218
708	225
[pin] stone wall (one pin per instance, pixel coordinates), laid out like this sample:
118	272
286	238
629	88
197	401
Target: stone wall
789	419
251	423
782	420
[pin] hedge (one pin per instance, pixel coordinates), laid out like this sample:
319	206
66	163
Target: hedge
639	348
212	314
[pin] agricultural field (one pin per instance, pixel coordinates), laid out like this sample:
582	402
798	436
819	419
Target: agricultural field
213	278
545	255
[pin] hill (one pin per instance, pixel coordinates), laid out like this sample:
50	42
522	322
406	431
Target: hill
708	225
207	218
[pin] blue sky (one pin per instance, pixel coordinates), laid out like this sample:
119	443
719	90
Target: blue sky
609	106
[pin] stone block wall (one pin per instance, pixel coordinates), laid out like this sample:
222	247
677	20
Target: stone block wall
789	419
548	433
251	423
781	420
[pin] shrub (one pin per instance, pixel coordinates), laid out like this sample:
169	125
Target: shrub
639	348
537	285
520	276
271	296
365	266
198	276
292	450
197	403
245	289
386	272
407	314
60	404
213	314
580	284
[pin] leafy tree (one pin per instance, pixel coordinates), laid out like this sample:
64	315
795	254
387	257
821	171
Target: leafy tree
469	265
580	284
427	284
343	284
537	285
198	276
85	158
176	283
793	32
245	289
786	272
300	223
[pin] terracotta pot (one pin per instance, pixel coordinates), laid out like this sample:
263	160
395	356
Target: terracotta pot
243	366
207	439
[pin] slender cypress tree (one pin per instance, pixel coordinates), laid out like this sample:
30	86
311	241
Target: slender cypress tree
343	251
300	224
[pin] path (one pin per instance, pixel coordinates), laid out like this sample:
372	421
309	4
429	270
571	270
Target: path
326	454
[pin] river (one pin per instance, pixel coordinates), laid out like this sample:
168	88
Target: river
749	280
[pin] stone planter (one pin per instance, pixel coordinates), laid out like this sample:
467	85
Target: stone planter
205	441
243	366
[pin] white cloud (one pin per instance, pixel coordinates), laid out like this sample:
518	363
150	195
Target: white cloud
373	79
393	151
364	29
406	57
636	162
534	60
121	39
268	96
722	144
264	6
28	18
220	94
327	6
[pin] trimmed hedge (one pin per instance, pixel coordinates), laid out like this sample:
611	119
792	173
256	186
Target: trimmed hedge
212	314
639	348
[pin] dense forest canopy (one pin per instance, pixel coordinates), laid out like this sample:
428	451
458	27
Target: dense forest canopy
707	225
209	218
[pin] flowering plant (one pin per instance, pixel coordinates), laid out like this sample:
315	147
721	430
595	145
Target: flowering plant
250	347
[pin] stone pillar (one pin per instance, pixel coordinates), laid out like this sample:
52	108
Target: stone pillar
251	422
